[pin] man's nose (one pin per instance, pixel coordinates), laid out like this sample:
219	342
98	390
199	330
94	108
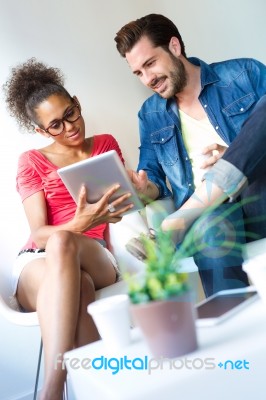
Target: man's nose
148	78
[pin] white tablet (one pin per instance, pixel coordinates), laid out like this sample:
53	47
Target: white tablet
98	173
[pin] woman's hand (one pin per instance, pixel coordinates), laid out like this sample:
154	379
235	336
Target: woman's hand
89	215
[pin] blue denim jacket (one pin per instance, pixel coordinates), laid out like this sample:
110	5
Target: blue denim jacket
229	92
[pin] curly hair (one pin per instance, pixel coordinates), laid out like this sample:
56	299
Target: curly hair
156	27
30	84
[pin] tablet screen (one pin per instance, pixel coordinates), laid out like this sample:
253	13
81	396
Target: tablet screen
98	174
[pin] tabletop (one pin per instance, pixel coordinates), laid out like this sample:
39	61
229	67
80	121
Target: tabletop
228	364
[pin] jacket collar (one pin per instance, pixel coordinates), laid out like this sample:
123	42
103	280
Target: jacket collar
207	75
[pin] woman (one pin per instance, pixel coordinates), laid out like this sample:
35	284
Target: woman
64	260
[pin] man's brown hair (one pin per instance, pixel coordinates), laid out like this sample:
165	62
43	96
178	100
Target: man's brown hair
157	28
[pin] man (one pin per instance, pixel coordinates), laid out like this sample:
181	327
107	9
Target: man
196	108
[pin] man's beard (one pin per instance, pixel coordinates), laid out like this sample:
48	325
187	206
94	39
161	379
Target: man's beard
177	79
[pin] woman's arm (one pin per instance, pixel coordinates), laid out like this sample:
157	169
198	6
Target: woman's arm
86	216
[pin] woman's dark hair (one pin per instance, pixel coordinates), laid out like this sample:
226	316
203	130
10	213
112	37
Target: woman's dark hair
157	28
29	85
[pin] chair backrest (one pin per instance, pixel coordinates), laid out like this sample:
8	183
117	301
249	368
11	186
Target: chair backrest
9	308
5	283
10	244
8	305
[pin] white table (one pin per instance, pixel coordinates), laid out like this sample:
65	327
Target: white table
241	339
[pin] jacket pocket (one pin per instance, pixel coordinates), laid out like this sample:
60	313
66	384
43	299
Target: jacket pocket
238	111
165	145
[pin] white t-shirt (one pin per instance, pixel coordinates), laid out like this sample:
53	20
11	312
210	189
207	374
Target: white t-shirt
198	134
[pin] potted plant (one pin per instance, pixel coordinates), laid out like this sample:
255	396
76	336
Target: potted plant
160	297
161	301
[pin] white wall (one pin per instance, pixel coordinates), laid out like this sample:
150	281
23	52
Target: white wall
77	36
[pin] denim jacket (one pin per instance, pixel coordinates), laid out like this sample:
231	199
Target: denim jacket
229	92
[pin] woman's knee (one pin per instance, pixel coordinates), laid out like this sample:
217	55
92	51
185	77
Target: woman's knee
62	242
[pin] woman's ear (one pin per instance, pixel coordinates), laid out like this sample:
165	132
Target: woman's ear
42	132
174	46
77	101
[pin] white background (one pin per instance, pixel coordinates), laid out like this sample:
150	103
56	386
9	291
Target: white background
78	37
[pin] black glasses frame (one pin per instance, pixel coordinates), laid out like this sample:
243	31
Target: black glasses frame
62	120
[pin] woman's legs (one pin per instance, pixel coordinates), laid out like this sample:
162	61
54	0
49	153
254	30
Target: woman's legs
60	287
86	331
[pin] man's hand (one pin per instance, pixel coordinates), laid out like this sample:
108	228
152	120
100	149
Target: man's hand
147	190
215	151
139	180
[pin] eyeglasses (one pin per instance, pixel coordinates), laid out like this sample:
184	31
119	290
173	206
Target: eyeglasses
58	126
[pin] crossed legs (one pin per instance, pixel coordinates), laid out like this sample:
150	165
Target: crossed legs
60	287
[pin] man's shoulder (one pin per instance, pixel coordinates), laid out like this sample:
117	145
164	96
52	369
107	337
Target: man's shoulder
229	70
235	65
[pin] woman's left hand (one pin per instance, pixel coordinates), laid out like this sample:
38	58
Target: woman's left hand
90	215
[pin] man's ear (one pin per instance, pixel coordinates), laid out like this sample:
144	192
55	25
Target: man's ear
174	46
42	132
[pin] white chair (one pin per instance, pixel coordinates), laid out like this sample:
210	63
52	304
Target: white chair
9	311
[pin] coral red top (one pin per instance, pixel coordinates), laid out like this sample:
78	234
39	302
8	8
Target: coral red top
36	172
